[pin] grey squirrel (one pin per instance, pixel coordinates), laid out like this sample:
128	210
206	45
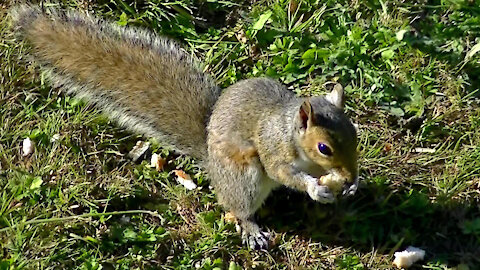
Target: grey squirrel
251	137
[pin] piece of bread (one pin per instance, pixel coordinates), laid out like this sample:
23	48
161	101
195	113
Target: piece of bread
333	182
408	257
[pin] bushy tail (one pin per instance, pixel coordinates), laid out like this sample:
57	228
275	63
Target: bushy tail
145	82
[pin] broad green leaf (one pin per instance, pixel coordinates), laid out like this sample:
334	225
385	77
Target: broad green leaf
36	182
472	52
400	34
396	111
312	55
388	54
129	234
234	266
123	19
262	20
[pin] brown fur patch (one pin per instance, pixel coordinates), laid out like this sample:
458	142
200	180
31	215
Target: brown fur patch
240	155
243	156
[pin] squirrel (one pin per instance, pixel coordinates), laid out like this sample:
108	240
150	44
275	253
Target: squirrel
250	137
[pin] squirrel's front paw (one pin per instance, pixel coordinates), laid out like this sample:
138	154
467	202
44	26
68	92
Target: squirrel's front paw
320	193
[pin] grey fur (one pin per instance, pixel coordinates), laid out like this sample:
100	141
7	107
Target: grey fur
251	139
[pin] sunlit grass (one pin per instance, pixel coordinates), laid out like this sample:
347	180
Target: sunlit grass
80	202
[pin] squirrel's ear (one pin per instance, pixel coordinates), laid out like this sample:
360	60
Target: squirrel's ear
336	97
305	113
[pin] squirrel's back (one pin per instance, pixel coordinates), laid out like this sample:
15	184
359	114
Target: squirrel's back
249	102
145	82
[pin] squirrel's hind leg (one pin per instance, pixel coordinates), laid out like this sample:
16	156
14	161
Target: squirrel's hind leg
241	186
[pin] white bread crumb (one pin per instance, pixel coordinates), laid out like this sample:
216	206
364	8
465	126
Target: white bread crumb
138	150
185	180
157	162
408	257
55	138
27	147
333	182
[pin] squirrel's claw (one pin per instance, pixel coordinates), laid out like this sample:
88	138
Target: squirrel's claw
256	241
351	190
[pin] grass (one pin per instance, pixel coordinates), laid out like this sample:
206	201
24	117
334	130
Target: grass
411	73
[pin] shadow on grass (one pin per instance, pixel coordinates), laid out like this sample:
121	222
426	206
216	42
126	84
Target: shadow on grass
382	218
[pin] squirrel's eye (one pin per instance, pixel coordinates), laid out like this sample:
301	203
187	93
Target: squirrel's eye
324	149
